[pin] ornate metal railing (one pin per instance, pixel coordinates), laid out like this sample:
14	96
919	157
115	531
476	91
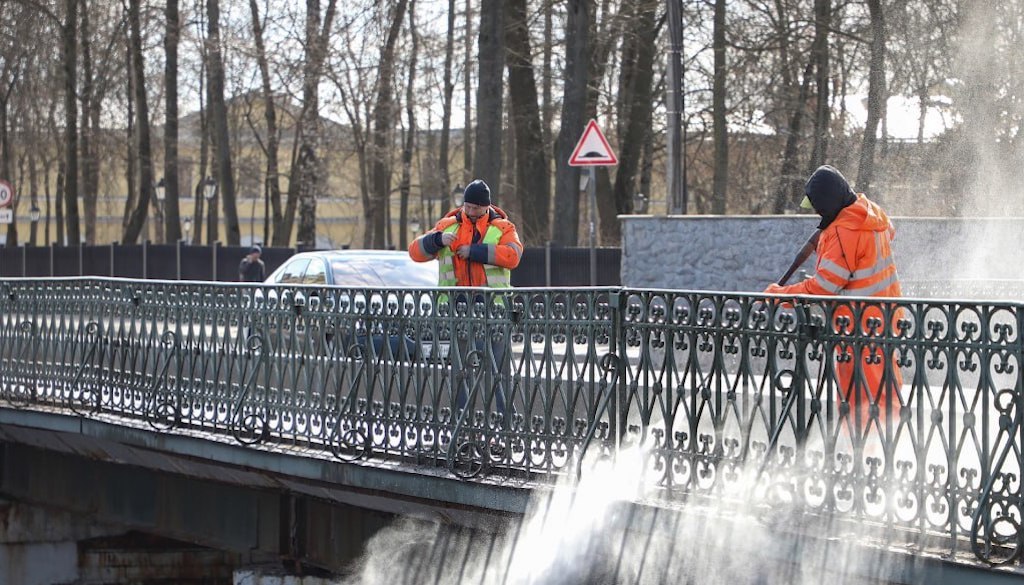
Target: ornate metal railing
900	414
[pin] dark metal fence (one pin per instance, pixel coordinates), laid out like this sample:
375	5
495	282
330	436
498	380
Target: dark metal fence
142	261
550	266
726	395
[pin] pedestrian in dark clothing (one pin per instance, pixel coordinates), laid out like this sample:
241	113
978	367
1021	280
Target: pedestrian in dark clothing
252	268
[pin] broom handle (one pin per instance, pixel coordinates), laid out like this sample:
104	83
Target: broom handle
805	252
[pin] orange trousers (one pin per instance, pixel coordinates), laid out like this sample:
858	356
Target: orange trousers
869	394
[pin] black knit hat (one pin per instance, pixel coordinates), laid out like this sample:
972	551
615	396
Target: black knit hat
477	193
828	192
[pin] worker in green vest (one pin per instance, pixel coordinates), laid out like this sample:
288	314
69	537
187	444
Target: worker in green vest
475	245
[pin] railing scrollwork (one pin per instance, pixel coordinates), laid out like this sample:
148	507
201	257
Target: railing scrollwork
903	413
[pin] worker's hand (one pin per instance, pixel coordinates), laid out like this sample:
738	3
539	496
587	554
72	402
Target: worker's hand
774	289
447	238
463	251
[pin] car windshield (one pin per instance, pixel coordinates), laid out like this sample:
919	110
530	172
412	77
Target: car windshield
383	272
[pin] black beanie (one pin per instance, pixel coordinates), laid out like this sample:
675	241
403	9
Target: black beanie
477	193
829	192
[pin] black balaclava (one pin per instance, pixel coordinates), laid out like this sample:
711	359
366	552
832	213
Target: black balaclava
829	193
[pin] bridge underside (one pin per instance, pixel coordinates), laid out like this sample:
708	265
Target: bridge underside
320	514
245	508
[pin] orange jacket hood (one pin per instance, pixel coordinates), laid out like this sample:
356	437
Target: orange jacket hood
864	214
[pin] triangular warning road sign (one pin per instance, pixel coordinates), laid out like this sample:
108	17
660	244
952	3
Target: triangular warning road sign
592	149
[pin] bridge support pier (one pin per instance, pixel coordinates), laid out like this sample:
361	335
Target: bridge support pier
41	546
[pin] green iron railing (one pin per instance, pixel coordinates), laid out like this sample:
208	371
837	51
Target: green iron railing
525	382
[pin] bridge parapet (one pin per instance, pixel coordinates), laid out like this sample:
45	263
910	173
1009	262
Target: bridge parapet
524	383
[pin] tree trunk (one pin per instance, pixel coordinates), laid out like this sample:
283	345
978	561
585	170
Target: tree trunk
532	183
70	54
577	64
789	181
467	106
33	185
273	133
130	155
204	141
219	123
547	104
490	94
876	96
603	39
445	181
172	227
5	163
383	121
90	164
820	57
58	211
138	214
636	79
410	137
720	182
308	175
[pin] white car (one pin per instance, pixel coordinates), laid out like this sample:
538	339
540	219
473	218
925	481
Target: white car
370	269
356	268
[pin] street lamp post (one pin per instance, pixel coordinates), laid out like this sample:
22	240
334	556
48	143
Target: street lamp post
457	194
209	192
160	190
639	204
33	216
414	227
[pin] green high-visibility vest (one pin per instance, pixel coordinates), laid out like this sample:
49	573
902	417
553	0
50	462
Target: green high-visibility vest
497	276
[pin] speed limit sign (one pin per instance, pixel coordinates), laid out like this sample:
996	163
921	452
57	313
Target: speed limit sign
6	194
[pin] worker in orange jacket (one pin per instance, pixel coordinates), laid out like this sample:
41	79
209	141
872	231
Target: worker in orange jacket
854	259
475	245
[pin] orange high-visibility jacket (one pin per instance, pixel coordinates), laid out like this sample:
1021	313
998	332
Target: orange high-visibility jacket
855	259
506	253
854	256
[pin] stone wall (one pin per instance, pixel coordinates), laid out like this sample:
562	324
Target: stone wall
745	253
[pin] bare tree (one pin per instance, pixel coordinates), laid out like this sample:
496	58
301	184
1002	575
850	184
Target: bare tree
90	164
410	136
383	117
70	58
307	173
820	52
447	93
490	93
877	95
13	60
219	124
532	191
720	193
272	145
574	100
467	105
145	154
172	217
635	103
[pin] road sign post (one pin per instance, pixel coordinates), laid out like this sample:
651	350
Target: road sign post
592	151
